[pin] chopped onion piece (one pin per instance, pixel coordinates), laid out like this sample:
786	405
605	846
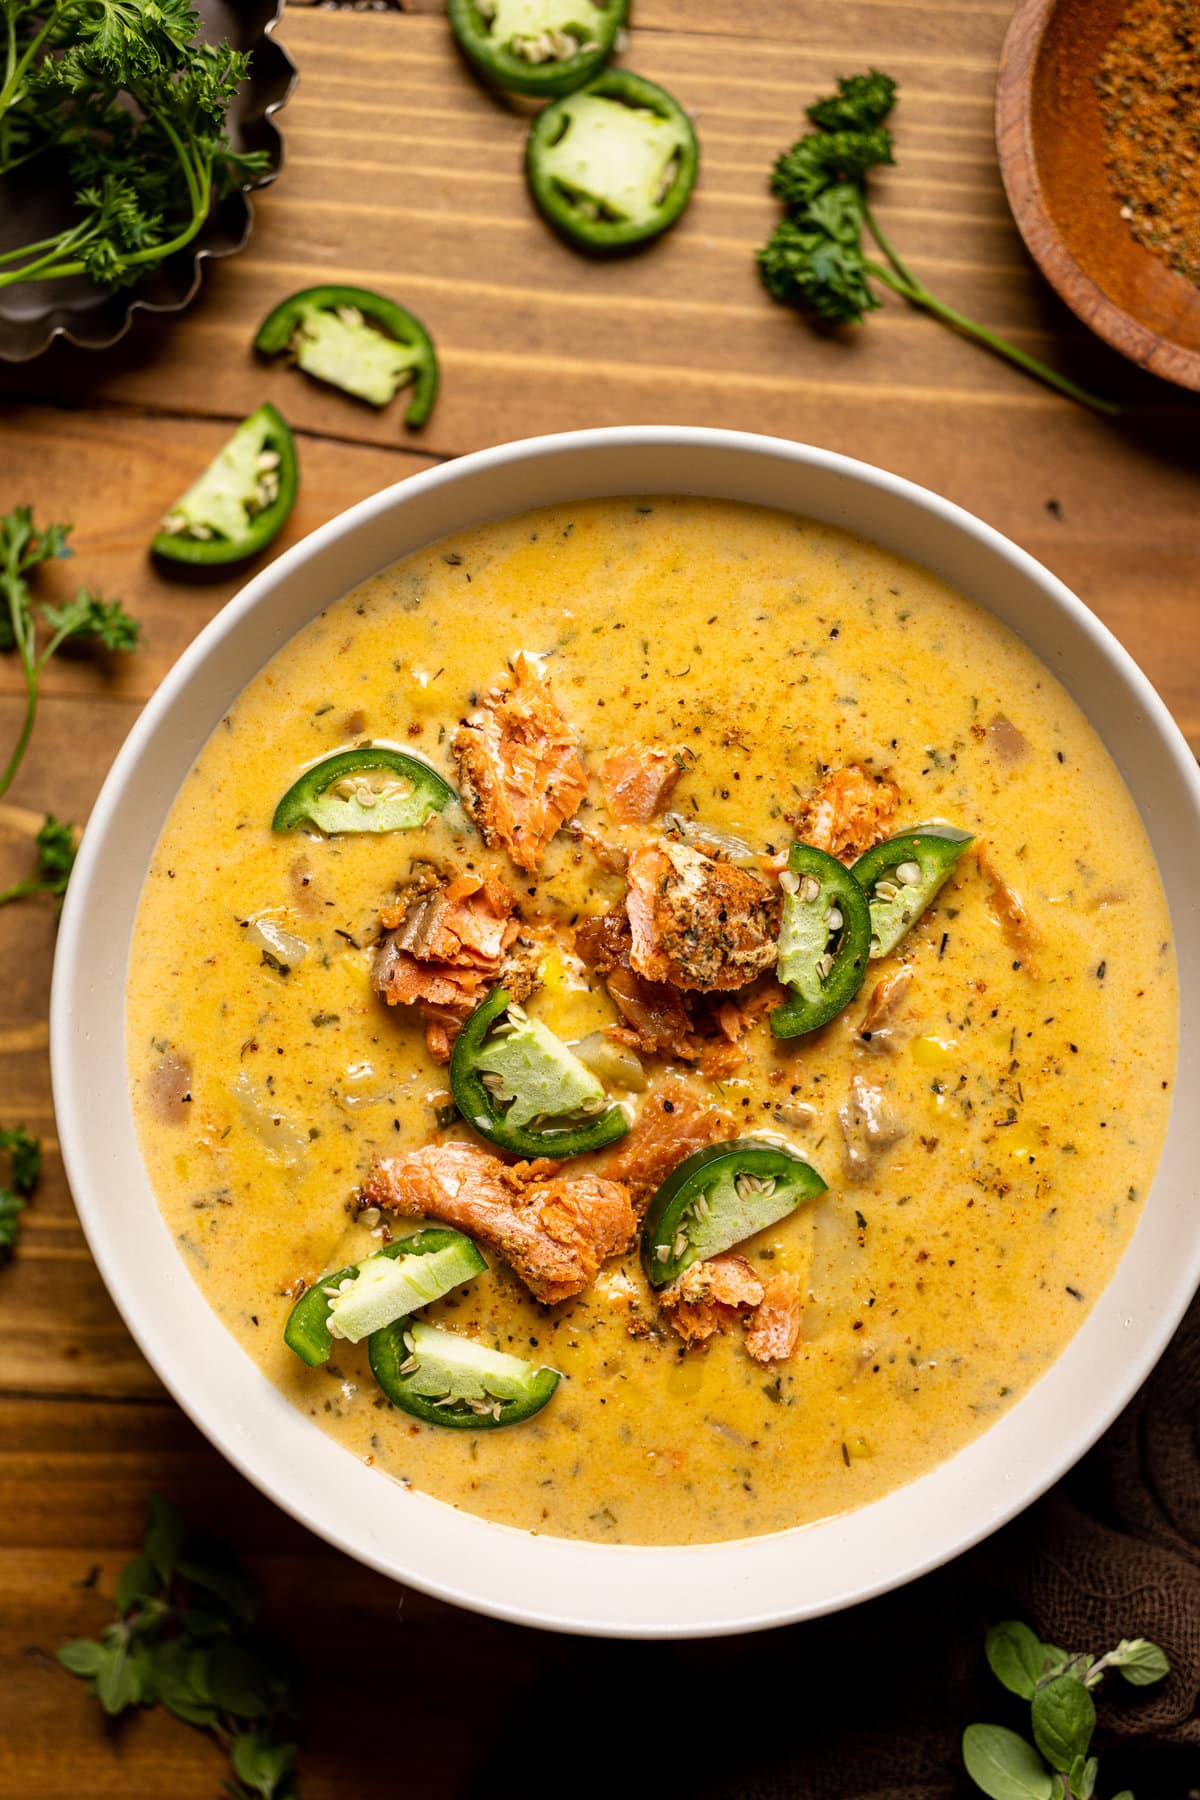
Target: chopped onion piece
279	1134
699	835
284	949
614	1063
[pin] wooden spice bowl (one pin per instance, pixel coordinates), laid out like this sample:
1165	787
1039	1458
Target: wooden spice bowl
1050	138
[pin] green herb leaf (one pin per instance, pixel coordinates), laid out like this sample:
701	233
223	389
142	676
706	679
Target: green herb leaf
11	1207
1083	1777
262	1763
90	616
163	1542
23	544
828	272
209	1678
145	174
803	266
1016	1657
862	101
116	1679
82	1656
1140	1661
208	1565
238	1681
138	1581
26	1154
1064	1718
1003	1765
827	159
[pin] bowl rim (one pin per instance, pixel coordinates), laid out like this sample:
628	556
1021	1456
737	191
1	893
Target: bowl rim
591	1588
1121	330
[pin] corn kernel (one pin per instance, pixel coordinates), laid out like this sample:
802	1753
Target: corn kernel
934	1052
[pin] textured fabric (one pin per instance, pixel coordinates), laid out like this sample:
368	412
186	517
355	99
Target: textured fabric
871	1704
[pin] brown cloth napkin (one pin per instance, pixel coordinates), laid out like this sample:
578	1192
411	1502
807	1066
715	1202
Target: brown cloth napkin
871	1704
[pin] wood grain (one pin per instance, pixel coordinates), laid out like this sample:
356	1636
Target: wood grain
403	174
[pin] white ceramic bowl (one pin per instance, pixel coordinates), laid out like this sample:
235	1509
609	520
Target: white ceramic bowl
545	1581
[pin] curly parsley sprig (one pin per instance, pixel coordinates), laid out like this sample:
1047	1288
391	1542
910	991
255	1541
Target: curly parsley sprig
815	258
143	177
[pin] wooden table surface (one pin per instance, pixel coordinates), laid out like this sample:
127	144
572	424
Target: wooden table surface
401	174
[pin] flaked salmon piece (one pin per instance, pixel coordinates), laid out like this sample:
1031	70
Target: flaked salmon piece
447	942
520	769
698	923
773	1328
886	996
656	1021
637	780
655	1018
851	810
878	1030
671	1123
467	920
732	1022
711	1297
1010	914
553	1230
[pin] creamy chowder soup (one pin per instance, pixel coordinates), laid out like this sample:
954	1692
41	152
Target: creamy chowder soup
689	686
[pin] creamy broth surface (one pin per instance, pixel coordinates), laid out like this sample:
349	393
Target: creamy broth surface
1034	1101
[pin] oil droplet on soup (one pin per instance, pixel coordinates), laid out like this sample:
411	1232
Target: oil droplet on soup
941	1275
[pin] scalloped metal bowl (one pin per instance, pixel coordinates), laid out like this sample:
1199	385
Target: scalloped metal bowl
608	1589
33	314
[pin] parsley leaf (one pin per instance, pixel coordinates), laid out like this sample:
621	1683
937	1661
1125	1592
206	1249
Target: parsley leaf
55	859
25	1154
826	157
144	175
820	258
90	616
861	102
88	619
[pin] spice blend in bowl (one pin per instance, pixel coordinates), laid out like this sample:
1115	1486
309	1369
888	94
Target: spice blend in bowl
1079	80
1149	86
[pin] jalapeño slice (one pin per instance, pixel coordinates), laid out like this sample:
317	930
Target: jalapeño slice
824	941
365	1296
371	788
540	47
901	877
523	1089
445	1379
614	164
717	1198
241	501
358	341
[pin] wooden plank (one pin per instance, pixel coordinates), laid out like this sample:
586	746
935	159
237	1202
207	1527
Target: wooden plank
92	1466
406	175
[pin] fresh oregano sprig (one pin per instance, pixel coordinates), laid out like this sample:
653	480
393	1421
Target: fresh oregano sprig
183	1638
1058	1684
816	259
